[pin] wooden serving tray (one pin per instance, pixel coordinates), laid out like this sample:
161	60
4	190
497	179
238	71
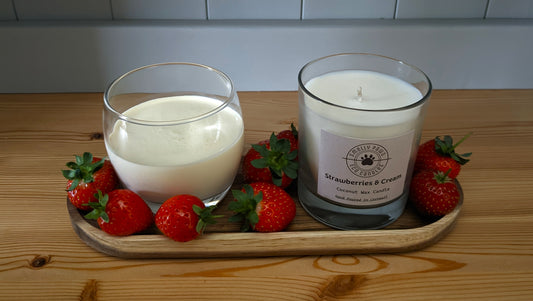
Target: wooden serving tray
305	236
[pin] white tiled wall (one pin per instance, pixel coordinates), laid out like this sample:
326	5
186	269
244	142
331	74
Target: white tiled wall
510	9
262	9
254	9
348	9
159	9
421	9
62	9
7	11
84	44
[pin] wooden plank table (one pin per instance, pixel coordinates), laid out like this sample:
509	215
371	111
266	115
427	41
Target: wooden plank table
488	255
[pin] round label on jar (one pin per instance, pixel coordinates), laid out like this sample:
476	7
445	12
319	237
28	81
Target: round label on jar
363	172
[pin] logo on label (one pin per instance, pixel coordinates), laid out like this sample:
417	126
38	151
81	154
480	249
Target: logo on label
367	160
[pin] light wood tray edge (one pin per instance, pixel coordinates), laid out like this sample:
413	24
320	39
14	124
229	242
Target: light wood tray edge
251	244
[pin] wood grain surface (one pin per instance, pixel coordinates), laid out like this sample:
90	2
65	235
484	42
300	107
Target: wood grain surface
487	256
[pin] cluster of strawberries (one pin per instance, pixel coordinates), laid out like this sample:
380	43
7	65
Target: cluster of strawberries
434	191
269	167
262	205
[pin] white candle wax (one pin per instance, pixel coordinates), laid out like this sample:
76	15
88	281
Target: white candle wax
358	136
199	158
378	91
363	90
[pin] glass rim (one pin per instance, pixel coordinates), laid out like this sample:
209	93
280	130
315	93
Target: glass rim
121	116
417	103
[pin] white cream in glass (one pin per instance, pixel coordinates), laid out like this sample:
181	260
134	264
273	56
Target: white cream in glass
180	133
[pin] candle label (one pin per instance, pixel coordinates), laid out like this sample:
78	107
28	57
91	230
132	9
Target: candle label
363	172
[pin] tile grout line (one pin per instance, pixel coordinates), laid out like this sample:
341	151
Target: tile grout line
395	14
15	10
486	9
111	9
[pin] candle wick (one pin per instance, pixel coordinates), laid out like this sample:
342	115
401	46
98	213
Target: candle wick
360	94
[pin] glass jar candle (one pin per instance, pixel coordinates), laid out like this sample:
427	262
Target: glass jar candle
360	120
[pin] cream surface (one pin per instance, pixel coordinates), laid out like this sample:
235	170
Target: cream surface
199	158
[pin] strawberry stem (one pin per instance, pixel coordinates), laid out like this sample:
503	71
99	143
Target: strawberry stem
294	131
447	148
461	141
441	177
278	159
244	207
98	207
205	216
82	170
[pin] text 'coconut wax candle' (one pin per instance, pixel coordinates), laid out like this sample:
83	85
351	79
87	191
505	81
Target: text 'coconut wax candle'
360	120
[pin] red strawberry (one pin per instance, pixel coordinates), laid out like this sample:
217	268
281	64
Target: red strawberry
272	161
184	217
439	155
433	194
121	212
262	206
86	176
